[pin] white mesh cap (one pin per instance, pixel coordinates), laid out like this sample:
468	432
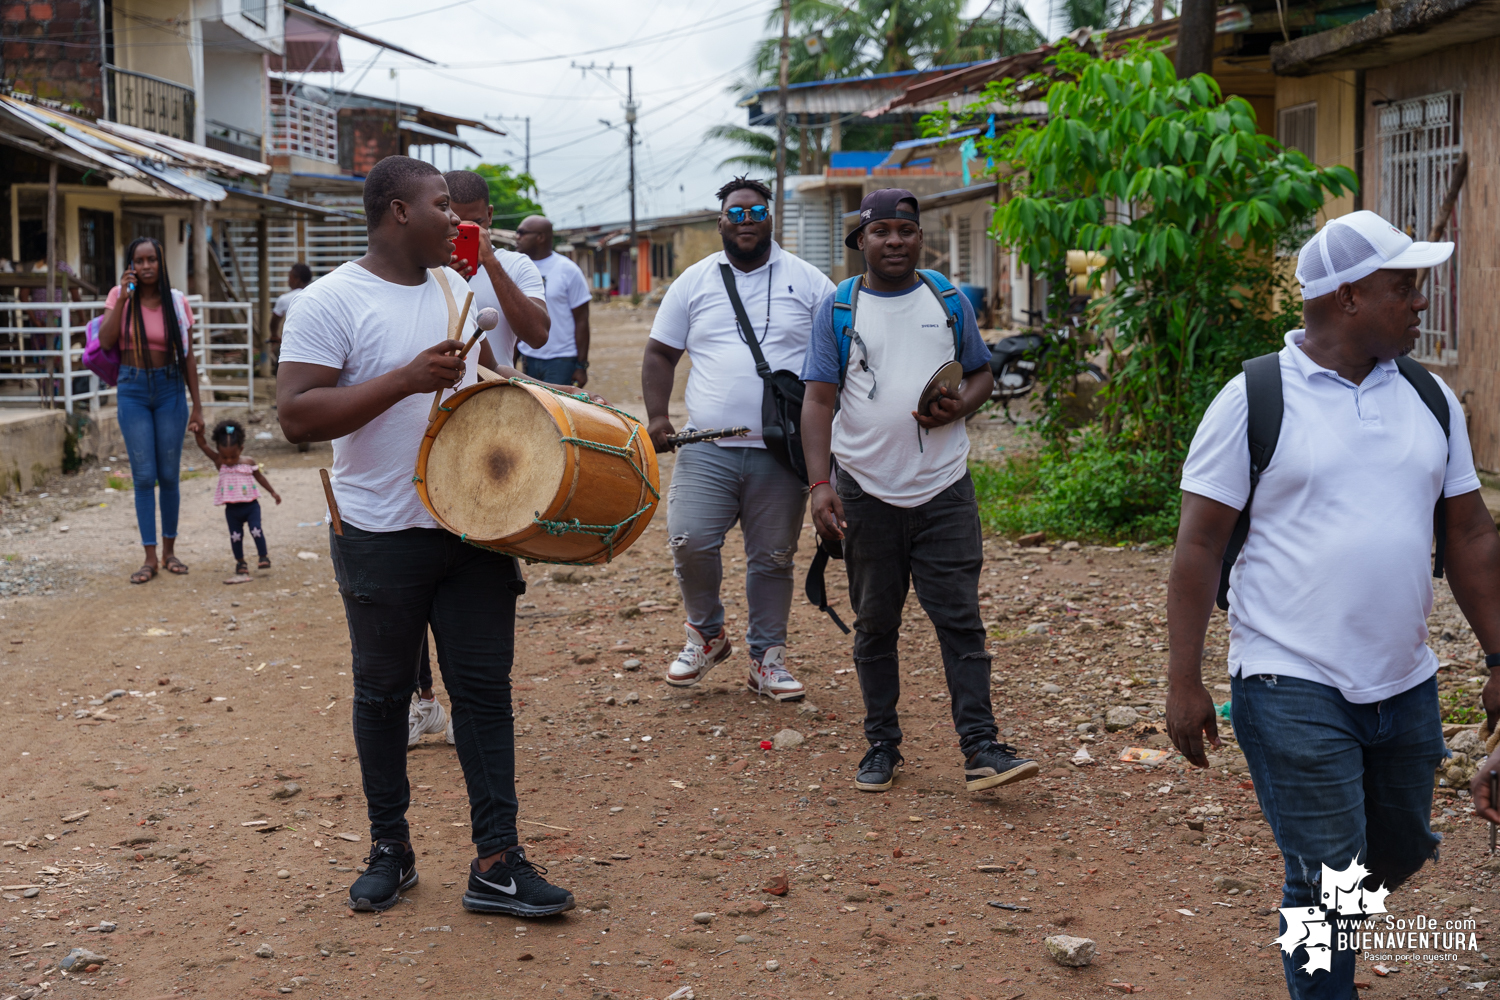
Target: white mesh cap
1359	244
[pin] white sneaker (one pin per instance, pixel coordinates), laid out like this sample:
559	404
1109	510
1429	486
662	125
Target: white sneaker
448	733
423	717
770	677
698	657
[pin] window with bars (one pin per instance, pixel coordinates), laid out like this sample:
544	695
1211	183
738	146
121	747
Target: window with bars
1420	141
1297	128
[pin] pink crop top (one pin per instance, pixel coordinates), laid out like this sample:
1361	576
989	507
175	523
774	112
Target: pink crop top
151	319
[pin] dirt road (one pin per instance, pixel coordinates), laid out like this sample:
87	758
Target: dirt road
200	829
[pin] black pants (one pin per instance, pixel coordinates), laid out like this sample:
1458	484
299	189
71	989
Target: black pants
239	515
937	547
395	584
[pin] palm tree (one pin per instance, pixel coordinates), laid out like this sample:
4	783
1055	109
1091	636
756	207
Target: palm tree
759	148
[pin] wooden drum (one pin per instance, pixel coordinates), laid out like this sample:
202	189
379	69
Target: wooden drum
513	466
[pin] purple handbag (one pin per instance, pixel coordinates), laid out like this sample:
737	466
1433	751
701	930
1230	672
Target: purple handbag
105	364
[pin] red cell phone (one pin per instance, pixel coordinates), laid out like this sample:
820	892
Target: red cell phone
466	246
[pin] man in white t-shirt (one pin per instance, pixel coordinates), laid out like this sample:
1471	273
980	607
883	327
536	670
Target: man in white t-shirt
564	358
1333	692
507	281
297	279
903	508
716	483
364	350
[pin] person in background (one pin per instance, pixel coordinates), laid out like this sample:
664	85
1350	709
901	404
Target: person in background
506	281
149	321
903	504
716	483
298	277
564	358
364	350
236	492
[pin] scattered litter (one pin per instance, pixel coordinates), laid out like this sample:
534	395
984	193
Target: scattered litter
75	817
353	838
1082	757
683	993
307	555
1186	913
676	784
1144	755
78	958
1009	906
238	578
309	524
263	436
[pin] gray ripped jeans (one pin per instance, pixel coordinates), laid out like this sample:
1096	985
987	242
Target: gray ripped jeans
712	488
936	546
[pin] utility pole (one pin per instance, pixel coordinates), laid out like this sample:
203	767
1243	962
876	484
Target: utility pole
786	34
517	118
630	116
1195	37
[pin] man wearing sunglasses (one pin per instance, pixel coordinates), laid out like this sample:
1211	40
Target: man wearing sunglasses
716	484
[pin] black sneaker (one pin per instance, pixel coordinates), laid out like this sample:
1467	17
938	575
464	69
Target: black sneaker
390	868
515	887
877	771
997	764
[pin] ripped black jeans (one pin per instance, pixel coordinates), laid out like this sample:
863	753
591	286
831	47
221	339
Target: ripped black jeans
394	585
936	547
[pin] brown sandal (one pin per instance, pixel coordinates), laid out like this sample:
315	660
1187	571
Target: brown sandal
146	573
175	566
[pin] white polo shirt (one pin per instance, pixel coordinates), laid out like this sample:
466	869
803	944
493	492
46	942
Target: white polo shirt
780	299
1334	584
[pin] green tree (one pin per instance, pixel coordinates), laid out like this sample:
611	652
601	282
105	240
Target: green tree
511	194
1191	207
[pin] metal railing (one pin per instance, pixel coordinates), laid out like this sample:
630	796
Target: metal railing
41	361
149	102
303	128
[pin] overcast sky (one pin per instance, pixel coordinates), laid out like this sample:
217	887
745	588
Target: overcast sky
517	60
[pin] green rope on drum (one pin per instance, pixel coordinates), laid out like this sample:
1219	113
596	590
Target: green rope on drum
582	397
607	533
418	479
625	451
446	409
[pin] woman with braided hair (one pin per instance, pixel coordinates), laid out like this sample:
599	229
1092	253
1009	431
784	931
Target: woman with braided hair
148	320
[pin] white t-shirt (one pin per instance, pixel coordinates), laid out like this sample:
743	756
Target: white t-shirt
366	326
1334	583
567	289
875	437
520	269
285	300
780	298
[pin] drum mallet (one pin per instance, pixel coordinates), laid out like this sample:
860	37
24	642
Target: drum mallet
487	320
333	505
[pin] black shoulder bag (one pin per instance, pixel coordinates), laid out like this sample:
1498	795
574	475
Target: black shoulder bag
781	401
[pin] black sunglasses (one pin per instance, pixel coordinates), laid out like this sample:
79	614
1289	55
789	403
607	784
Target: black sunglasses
756	213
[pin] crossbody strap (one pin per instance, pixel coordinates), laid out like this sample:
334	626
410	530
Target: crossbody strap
1427	387
727	273
1263	400
453	332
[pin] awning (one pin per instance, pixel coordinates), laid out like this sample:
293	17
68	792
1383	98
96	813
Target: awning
434	135
190	152
293	206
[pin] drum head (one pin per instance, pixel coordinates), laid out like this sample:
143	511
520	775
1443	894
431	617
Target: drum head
495	463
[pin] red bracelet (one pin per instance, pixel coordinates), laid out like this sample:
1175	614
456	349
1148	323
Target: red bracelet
816	485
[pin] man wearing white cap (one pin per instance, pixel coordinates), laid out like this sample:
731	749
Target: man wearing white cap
1317	481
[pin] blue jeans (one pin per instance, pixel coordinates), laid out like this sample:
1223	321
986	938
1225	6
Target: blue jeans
558	371
711	489
153	414
394	585
1336	782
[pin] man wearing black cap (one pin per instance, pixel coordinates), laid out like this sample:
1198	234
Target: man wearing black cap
903	503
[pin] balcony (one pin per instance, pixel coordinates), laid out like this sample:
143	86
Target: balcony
300	127
149	102
231	139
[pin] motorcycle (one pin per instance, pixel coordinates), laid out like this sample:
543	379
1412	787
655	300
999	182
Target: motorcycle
1016	360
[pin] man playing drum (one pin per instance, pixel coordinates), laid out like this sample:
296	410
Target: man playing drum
733	479
362	355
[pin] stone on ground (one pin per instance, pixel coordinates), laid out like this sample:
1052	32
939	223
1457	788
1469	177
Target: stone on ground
1073	952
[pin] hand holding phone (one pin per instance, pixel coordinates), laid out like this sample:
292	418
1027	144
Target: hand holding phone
466	246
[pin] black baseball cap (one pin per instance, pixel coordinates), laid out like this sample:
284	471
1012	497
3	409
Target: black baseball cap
882	204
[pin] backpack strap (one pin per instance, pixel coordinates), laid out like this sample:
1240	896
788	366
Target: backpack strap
949	296
1263	429
845	305
1431	392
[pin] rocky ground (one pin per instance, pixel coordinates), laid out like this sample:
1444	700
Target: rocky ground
178	802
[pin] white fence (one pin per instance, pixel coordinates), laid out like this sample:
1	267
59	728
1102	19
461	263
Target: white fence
41	362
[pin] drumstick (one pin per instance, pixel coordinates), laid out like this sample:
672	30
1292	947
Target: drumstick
437	398
487	320
333	505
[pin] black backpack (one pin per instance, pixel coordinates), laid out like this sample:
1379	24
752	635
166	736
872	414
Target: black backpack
1263	397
